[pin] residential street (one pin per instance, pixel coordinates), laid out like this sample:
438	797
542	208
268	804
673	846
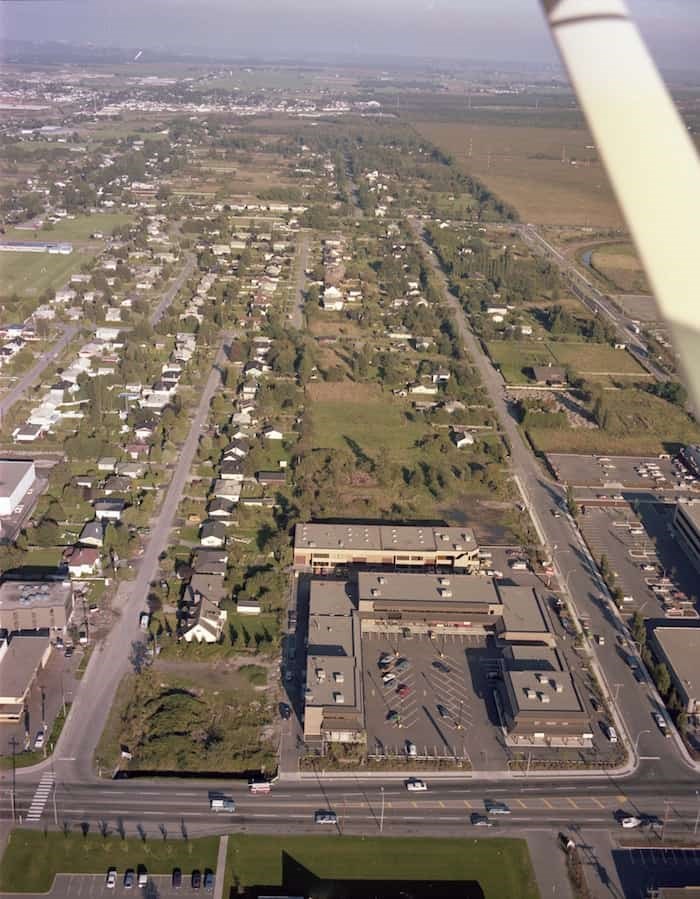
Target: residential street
174	288
302	259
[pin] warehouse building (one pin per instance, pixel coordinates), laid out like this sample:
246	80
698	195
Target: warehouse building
678	647
35	605
686	524
16	478
323	547
22	656
333	698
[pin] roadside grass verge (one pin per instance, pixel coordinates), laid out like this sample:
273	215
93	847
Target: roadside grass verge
502	867
32	858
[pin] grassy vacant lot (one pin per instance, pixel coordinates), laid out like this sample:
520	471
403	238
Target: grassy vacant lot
30	274
79	228
514	357
32	858
640	424
344	412
523	165
501	867
619	265
193	718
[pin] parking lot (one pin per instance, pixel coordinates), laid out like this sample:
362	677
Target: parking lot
623	471
652	571
447	711
91	886
640	870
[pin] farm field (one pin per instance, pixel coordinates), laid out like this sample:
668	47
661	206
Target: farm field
619	264
501	867
590	359
523	165
33	858
79	228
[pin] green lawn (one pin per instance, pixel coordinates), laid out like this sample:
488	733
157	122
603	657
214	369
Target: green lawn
32	858
30	274
512	356
79	228
502	867
595	358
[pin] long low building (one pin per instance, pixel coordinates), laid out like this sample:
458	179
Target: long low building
22	656
34	605
16	478
686	524
324	547
678	647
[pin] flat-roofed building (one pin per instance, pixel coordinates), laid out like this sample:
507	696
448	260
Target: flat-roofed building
323	547
333	698
16	478
34	605
686	523
523	619
540	702
22	656
423	602
678	647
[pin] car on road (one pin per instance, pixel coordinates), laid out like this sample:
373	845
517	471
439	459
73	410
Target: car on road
68	652
416	785
111	881
144	620
441	666
479	820
600	639
196	881
638	676
388	678
411	749
556	513
495	807
610	733
403	690
630	821
661	724
39	740
651	821
209	880
595	705
176	881
325	817
129	878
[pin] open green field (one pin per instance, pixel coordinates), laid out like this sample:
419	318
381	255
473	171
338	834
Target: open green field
523	165
516	357
79	228
344	412
30	274
619	265
501	867
32	858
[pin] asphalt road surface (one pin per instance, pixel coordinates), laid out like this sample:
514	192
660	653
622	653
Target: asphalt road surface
634	701
173	290
297	311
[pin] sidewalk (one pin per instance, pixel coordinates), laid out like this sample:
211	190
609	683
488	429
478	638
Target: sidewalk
221	868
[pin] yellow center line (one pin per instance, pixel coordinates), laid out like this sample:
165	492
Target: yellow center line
622	798
547	803
467	803
442	804
573	804
522	804
597	802
388	805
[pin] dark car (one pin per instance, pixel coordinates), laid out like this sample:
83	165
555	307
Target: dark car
68	652
595	705
651	821
442	711
129	878
638	676
285	711
196	879
441	666
401	665
209	880
177	878
392	717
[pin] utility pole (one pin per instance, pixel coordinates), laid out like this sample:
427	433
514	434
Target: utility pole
13	744
697	817
381	816
55	812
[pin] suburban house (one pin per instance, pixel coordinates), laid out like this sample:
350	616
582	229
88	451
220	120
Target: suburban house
109	509
92	534
209	586
248	607
221	508
206	625
549	375
271	477
212	533
82	560
271	433
462	439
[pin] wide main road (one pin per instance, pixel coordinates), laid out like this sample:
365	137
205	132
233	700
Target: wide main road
577	571
444	808
73	755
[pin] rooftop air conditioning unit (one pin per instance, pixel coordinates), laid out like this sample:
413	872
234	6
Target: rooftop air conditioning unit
338	677
544	698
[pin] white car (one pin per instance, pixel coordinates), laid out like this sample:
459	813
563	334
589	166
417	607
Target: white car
411	749
629	823
388	678
414	785
39	740
111	881
661	724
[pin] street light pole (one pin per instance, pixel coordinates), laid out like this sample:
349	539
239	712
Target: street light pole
697	817
381	817
636	742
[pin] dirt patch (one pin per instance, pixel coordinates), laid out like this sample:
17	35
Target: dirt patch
345	391
321	327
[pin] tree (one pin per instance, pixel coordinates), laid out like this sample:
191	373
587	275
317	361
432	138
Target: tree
639	631
571	504
662	679
138	656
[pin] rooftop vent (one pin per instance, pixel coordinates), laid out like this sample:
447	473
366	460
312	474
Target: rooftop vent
375	592
338	677
320	675
541	678
558	687
530	693
381	580
445	581
446	594
544	698
338	698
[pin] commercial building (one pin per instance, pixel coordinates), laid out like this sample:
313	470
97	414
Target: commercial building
539	702
686	524
22	656
16	478
333	698
323	547
678	647
35	605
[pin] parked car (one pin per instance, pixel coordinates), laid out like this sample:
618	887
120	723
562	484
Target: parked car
442	711
611	733
111	881
638	676
401	665
176	881
143	876
415	785
411	749
209	880
441	666
129	878
388	678
595	705
393	717
479	820
325	817
403	690
661	724
196	879
39	740
600	639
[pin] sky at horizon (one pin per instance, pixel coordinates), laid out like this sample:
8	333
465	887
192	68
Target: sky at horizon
497	30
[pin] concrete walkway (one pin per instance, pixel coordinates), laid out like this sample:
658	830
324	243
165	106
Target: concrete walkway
221	868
